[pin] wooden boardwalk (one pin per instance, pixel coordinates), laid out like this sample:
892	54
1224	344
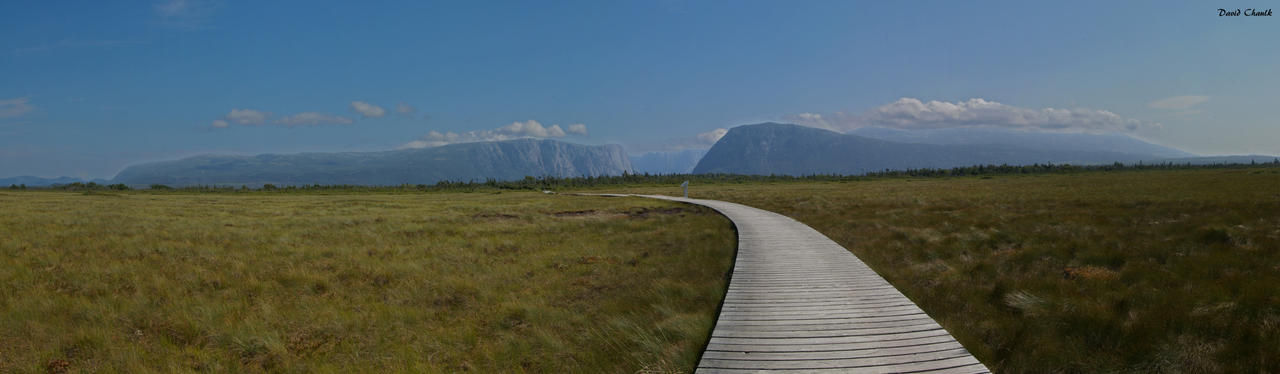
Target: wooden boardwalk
799	302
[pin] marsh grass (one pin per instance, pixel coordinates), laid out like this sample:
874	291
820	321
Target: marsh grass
443	282
1134	271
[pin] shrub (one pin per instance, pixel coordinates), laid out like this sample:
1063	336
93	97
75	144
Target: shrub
1214	235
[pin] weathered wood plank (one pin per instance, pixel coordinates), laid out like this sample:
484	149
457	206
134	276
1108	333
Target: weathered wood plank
824	333
921	360
803	324
799	302
833	354
937	337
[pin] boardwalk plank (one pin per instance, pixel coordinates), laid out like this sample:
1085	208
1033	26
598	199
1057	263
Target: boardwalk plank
917	361
798	302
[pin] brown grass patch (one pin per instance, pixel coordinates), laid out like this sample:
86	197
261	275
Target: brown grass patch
1090	273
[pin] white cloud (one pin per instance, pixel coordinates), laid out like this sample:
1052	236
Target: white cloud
911	113
247	116
405	109
10	108
436	139
368	110
173	8
313	119
531	129
711	137
1178	102
516	130
252	117
187	14
817	120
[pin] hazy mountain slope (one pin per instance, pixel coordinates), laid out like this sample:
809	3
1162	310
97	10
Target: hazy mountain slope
1026	139
457	162
31	181
772	148
675	162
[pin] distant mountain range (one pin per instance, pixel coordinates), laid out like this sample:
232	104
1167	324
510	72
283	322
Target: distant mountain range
785	149
31	181
505	160
1117	143
672	162
767	148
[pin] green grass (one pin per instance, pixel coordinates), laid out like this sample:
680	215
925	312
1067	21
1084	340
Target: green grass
1094	271
109	281
1132	271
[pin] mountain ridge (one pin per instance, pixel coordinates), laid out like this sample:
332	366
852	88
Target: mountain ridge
1121	143
502	160
788	149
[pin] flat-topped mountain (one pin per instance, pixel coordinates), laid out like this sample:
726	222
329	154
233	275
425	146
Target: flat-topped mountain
505	160
785	149
1119	143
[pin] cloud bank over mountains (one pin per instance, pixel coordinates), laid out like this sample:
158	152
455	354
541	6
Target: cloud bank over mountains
910	113
253	117
516	130
914	114
366	110
905	113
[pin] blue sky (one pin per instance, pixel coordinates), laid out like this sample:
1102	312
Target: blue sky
90	87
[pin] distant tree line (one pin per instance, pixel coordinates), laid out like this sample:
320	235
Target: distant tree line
1060	169
531	183
91	186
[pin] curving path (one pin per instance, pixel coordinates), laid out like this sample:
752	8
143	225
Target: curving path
799	302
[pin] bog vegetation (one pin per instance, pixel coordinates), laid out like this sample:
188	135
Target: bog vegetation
126	281
1144	271
1042	268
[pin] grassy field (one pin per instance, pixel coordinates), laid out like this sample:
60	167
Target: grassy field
482	282
1131	271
